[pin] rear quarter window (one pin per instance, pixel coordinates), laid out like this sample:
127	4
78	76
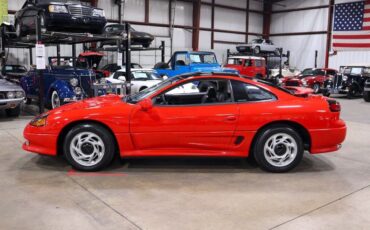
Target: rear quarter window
244	92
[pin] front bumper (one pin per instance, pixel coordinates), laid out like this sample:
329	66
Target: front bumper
10	103
39	142
57	21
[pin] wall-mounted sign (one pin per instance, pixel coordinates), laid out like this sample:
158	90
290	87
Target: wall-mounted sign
3	11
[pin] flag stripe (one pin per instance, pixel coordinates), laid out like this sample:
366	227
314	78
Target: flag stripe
352	45
360	36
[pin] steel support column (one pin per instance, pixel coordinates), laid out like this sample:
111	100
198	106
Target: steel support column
247	22
267	11
196	24
146	11
213	24
328	35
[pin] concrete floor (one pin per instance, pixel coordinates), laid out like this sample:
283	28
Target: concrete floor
325	192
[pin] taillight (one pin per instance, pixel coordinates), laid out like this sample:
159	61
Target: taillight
334	105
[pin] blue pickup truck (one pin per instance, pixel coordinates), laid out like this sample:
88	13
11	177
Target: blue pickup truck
187	62
62	84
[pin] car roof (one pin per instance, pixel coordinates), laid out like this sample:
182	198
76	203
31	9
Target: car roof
247	57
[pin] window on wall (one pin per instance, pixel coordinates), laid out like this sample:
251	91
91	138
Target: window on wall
244	92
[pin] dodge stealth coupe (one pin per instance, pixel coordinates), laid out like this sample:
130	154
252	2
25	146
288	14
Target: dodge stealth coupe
223	115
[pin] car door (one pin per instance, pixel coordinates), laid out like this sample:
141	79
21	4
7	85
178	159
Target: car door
181	64
248	67
189	125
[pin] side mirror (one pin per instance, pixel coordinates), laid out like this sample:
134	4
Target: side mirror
146	104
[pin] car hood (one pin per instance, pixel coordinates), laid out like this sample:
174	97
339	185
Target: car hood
8	86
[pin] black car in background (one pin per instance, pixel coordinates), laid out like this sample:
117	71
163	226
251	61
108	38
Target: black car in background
13	72
59	15
137	37
350	81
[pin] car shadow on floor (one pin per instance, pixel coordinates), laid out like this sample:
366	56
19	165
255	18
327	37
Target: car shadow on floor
309	163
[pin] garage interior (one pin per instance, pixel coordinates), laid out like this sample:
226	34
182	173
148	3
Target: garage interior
325	191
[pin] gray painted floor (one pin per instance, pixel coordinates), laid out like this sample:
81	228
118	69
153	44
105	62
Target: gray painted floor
329	191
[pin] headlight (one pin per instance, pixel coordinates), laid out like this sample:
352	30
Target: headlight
98	13
304	82
344	78
78	91
19	94
73	82
39	121
10	95
57	9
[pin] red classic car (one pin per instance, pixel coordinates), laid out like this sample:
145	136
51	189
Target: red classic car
312	78
197	114
249	66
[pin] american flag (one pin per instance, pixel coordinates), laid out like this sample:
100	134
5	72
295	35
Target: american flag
351	29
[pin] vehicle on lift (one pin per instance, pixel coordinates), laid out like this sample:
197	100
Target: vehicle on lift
350	80
257	46
313	78
13	72
91	60
62	84
59	15
112	68
11	97
223	120
183	62
137	37
366	93
249	66
140	79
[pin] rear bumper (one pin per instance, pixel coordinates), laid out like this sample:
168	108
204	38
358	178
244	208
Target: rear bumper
328	140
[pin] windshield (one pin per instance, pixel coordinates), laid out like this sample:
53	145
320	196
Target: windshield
235	61
257	41
15	69
310	72
145	75
151	90
356	70
203	59
61	1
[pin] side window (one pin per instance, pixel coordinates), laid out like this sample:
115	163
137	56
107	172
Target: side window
197	92
181	60
330	72
258	63
244	92
248	62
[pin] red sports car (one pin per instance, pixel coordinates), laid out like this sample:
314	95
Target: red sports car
311	78
191	115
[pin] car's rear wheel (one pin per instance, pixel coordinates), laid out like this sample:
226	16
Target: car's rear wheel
89	147
367	96
316	88
278	149
14	112
55	100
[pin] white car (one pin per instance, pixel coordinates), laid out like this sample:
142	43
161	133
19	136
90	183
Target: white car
257	46
285	72
141	79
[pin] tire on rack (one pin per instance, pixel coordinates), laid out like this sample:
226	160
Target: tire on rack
89	147
161	65
278	148
15	112
366	96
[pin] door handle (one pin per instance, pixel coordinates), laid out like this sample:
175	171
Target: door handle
230	118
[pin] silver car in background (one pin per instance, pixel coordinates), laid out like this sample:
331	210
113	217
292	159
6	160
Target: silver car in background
11	97
257	46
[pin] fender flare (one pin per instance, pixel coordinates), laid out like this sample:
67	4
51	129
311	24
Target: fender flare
63	88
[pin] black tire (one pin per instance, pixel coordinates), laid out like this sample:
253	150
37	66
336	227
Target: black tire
15	112
161	65
352	92
262	140
53	100
258	76
326	94
146	45
257	50
106	137
277	52
27	101
316	88
366	96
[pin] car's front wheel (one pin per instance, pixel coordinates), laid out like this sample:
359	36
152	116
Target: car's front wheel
55	100
257	50
278	149
366	96
89	147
